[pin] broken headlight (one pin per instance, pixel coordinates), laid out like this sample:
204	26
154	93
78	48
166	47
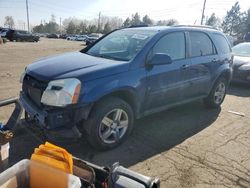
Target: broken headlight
62	92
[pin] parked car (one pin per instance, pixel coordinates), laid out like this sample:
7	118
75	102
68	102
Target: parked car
71	37
81	38
63	36
90	40
52	36
128	74
241	65
21	36
247	37
97	35
3	32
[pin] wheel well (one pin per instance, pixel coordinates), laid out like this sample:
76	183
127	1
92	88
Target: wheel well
226	75
124	95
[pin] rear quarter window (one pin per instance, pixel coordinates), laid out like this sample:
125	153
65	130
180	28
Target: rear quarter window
221	43
200	44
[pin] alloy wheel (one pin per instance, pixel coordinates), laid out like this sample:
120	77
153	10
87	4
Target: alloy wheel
219	93
113	126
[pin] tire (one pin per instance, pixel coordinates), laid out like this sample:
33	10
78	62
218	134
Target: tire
217	94
105	134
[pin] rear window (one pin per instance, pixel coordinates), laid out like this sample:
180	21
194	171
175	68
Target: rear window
201	45
222	45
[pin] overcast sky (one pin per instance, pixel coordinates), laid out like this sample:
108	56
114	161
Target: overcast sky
185	11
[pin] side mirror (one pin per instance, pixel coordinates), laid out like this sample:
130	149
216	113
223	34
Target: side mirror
160	59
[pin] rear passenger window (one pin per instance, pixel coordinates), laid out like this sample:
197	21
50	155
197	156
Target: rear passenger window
222	44
173	44
201	45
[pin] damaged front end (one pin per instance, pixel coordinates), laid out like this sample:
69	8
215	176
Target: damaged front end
59	120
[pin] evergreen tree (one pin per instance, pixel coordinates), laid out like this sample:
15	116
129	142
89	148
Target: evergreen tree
136	19
107	28
232	21
146	20
127	22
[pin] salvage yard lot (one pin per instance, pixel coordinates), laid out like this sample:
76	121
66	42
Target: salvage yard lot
188	146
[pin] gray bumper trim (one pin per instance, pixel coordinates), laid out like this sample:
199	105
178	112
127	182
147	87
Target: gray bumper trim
32	110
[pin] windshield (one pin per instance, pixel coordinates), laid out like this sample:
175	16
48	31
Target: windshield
121	45
242	49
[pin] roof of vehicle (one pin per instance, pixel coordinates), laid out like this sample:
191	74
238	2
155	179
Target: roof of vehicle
177	27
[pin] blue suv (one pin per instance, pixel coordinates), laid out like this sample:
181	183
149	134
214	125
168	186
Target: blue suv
125	75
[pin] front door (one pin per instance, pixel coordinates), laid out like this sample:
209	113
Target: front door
166	84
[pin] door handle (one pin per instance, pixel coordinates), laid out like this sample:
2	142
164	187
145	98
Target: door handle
184	66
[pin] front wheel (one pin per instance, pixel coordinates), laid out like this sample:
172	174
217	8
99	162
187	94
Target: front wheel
109	124
217	94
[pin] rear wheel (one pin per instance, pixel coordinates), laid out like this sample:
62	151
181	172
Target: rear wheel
217	94
110	123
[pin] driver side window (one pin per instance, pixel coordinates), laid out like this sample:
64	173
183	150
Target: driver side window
172	44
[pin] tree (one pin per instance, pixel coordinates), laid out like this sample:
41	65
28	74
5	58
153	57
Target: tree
168	22
53	18
146	20
213	21
115	23
107	28
91	29
136	19
126	23
71	28
171	22
232	22
248	21
51	27
9	22
82	28
39	29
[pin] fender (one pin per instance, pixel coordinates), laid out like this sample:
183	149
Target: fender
224	69
130	86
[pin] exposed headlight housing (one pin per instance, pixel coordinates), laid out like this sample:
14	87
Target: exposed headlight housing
62	92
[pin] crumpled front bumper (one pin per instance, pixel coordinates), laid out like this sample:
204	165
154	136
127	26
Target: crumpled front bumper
56	119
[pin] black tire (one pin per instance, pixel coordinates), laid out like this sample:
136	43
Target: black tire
213	100
94	125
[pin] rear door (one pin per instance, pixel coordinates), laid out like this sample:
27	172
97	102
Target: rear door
166	83
203	59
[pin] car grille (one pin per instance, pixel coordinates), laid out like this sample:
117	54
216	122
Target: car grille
34	89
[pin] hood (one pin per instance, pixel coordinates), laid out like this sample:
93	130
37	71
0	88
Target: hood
75	65
240	60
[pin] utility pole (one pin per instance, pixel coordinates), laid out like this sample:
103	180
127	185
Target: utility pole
203	10
60	25
27	9
99	22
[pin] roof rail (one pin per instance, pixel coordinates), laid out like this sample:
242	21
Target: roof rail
198	26
140	25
